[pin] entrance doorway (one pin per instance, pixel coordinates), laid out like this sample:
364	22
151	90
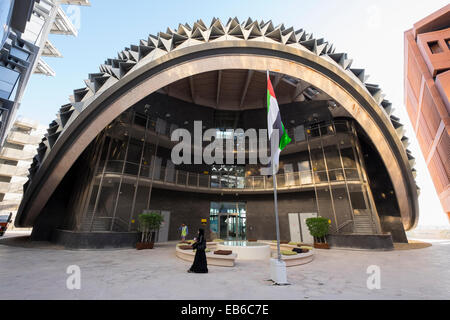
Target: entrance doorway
228	220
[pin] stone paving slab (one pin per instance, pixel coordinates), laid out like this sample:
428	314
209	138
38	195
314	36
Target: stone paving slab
40	273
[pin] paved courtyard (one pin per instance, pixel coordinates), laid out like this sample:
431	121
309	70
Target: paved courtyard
40	273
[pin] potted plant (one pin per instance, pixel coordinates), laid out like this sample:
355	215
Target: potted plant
318	227
148	224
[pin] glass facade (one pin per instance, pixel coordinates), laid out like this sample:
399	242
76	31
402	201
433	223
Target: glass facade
5	11
8	80
228	220
134	158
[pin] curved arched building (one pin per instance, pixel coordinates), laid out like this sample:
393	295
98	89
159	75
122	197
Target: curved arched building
107	156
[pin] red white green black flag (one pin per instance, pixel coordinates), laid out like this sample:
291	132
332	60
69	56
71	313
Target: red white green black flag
274	123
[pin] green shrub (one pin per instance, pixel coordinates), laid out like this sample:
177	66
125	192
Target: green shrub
148	224
288	253
293	243
318	227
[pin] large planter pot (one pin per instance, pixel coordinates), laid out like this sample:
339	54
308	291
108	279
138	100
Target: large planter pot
144	245
321	245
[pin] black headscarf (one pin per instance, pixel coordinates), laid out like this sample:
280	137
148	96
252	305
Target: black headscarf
201	242
201	236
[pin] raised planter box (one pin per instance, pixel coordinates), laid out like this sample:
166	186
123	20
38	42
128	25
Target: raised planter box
319	245
95	240
144	245
361	241
212	245
273	245
298	259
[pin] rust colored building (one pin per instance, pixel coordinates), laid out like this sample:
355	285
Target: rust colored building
427	94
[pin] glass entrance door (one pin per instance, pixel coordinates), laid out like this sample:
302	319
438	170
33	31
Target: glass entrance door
228	220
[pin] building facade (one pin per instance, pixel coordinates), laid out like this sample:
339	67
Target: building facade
16	157
26	25
427	95
109	155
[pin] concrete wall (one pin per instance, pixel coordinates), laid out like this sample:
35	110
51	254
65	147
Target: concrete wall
187	208
190	208
261	216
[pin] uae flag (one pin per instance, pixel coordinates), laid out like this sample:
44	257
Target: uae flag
274	123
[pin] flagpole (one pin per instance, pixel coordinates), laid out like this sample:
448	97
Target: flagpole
276	213
274	175
277	144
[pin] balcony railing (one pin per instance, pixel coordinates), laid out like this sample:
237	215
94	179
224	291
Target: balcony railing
10	171
11	187
185	179
14	154
22	138
26	123
9	205
298	134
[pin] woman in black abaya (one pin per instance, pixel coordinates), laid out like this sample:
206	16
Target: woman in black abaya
200	264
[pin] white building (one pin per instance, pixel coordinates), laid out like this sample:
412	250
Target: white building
24	29
15	160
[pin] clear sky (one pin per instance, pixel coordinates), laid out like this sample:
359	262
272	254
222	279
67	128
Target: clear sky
371	32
